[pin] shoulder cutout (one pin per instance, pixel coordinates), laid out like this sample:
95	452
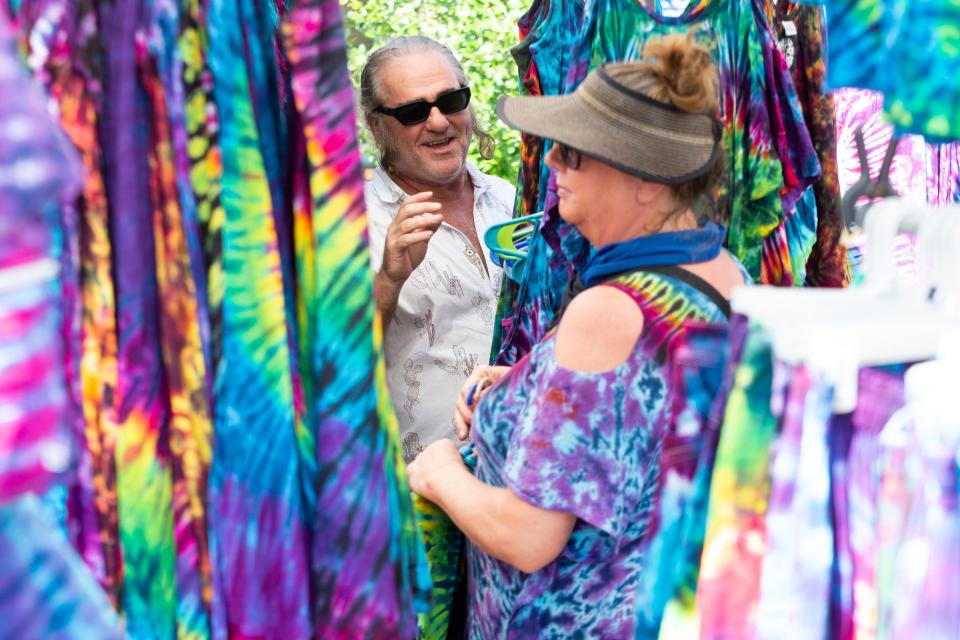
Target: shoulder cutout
598	331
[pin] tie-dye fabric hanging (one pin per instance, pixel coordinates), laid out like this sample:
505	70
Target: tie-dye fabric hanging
905	49
38	166
695	378
45	589
548	32
46	592
800	31
238	472
368	565
796	570
261	581
735	534
770	158
65	56
919	171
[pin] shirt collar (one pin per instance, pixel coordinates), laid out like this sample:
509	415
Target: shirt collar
390	193
481	181
384	187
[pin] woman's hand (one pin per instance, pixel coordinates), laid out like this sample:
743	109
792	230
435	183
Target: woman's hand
431	466
479	381
494	518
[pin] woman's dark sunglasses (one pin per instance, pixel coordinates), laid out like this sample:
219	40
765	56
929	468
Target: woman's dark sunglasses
569	156
419	111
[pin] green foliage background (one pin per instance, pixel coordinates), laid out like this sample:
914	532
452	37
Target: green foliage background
480	32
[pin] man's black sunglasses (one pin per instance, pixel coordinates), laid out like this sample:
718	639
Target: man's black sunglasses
417	112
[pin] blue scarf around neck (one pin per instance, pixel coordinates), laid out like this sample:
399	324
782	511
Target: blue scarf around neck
660	249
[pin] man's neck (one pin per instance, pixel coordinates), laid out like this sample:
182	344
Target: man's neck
450	191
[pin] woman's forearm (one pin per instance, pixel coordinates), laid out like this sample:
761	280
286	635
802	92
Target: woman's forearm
475	508
500	523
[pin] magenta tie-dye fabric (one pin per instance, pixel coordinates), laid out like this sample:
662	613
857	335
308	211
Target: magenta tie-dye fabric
37	167
46	591
920	171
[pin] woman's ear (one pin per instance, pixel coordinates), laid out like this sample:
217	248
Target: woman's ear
647	191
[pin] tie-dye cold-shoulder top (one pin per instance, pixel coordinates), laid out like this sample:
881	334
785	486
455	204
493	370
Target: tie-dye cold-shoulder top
586	444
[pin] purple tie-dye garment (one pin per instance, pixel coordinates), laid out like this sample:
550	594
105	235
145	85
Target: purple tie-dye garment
696	370
586	444
46	592
795	579
922	172
840	622
855	487
918	526
36	167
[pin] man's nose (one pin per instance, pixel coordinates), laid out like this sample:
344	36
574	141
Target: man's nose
436	121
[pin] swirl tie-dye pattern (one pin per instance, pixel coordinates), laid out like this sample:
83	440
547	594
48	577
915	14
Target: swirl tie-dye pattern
368	564
46	592
905	49
770	158
544	57
801	34
586	444
238	466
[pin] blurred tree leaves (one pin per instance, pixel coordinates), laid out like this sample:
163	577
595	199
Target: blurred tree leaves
480	32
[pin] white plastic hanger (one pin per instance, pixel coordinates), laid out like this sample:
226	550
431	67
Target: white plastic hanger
837	332
770	305
943	239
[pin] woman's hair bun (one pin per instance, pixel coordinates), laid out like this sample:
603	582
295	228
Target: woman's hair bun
683	73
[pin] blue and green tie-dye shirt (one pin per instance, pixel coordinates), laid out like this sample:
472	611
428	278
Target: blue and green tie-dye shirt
769	156
909	50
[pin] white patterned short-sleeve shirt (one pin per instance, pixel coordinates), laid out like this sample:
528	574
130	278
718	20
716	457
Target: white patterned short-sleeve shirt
443	324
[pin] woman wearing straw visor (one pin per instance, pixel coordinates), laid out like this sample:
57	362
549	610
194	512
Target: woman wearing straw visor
568	438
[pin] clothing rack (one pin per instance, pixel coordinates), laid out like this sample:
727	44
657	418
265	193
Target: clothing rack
882	322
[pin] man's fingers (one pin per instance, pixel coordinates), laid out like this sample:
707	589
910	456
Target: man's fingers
423	221
407	240
413	208
409	210
423	196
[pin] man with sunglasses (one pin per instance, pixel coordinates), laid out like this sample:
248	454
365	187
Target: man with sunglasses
435	286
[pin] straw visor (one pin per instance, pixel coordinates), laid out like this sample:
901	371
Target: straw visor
622	127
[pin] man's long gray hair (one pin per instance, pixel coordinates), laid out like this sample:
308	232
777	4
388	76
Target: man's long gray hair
371	98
